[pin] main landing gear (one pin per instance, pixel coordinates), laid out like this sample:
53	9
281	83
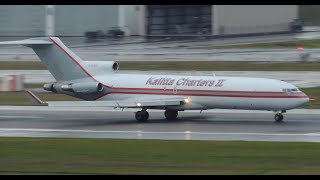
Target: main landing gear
279	117
143	115
171	115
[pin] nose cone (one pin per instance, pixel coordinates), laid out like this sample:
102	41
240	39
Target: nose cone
306	99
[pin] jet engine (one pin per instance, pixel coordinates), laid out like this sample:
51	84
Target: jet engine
86	87
48	87
100	67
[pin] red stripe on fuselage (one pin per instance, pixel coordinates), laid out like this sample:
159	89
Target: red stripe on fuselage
152	93
189	90
193	90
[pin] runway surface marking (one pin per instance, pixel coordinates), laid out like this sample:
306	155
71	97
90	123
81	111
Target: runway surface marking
107	109
155	132
27	117
217	124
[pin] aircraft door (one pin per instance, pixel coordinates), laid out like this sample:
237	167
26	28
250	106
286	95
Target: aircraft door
111	83
175	90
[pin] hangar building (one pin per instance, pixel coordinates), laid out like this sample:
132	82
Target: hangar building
145	20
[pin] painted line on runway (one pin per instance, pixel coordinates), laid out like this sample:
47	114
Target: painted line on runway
34	117
155	132
94	109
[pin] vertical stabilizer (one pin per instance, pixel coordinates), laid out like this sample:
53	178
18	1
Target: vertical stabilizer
62	63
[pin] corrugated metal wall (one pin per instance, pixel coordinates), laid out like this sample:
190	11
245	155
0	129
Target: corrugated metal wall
236	19
74	20
70	20
22	20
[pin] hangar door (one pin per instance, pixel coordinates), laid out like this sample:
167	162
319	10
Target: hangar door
178	19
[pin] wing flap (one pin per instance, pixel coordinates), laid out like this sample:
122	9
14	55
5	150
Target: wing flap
120	104
128	103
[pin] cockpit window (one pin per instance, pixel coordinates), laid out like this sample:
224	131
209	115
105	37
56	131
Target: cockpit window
290	90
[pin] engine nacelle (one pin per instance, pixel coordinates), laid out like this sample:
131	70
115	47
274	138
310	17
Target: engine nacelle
49	87
86	87
100	67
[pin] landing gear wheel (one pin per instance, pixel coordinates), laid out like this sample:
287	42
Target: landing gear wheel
278	117
171	114
142	116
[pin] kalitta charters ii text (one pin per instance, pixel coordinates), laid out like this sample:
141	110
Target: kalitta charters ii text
184	82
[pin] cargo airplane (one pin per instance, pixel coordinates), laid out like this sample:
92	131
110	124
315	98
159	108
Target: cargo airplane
98	83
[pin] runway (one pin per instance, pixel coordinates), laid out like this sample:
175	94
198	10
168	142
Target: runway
171	54
35	121
137	49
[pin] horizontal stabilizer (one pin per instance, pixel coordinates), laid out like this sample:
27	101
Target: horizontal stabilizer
34	99
62	63
27	42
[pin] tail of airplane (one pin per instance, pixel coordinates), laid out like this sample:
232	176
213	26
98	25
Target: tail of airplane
62	63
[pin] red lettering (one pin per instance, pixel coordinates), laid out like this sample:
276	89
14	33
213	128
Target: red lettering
219	84
179	82
184	82
149	81
202	83
211	83
171	82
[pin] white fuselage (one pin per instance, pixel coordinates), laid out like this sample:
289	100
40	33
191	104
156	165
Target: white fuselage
204	92
199	92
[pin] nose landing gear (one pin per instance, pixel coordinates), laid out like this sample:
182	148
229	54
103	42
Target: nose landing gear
278	117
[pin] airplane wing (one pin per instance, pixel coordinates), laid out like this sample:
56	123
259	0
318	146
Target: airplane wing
128	103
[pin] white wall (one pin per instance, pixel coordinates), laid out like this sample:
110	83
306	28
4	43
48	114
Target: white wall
233	19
